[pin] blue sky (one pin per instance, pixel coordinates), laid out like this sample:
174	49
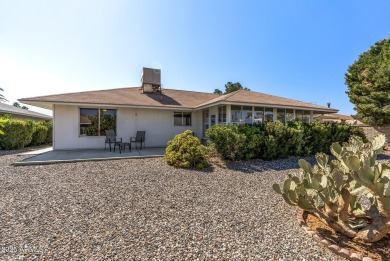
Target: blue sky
295	49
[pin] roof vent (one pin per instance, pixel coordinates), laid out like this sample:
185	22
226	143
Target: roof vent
151	80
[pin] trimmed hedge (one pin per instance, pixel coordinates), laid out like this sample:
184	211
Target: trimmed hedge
228	141
39	135
2	123
49	135
186	151
21	133
273	140
17	134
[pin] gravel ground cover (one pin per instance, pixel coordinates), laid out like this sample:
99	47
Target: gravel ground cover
142	209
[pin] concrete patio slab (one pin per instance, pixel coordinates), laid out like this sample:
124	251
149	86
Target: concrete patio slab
63	156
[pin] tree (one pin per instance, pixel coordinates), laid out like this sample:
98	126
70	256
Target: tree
231	87
2	98
368	81
17	104
218	91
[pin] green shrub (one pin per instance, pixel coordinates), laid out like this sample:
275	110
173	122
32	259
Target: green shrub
186	151
49	135
319	136
342	132
2	125
228	141
40	134
17	134
273	140
281	141
254	138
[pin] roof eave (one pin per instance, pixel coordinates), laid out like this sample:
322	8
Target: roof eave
319	110
48	117
47	105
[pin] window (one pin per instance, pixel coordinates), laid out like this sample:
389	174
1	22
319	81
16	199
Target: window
182	118
281	115
241	114
222	114
298	115
236	113
259	114
289	115
94	122
303	116
306	116
247	114
269	114
205	122
212	120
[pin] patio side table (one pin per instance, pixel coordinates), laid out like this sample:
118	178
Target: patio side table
123	145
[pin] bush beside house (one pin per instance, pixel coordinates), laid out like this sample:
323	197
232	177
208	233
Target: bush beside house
21	133
186	151
228	141
273	140
2	123
39	134
17	134
49	134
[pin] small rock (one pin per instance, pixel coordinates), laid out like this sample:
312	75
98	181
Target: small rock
355	257
334	248
344	253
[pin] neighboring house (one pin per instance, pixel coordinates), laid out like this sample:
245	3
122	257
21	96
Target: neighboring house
22	114
81	118
338	118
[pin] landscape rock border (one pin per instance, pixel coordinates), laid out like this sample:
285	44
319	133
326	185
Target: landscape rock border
342	252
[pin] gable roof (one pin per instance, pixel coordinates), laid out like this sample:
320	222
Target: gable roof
262	99
131	96
169	98
9	109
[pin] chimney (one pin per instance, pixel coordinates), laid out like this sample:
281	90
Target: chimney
151	80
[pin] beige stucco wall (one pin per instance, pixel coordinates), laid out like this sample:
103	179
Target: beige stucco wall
157	123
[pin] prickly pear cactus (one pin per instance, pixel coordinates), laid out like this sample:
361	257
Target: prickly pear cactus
332	190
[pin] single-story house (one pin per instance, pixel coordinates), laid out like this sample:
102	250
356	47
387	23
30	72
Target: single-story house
23	114
81	118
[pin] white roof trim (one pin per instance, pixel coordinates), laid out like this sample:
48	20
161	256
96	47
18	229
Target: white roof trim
329	110
325	110
101	105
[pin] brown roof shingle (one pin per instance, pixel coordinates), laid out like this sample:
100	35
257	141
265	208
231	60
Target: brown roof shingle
335	116
133	96
250	97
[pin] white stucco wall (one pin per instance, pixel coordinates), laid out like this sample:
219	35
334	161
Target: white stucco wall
157	123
